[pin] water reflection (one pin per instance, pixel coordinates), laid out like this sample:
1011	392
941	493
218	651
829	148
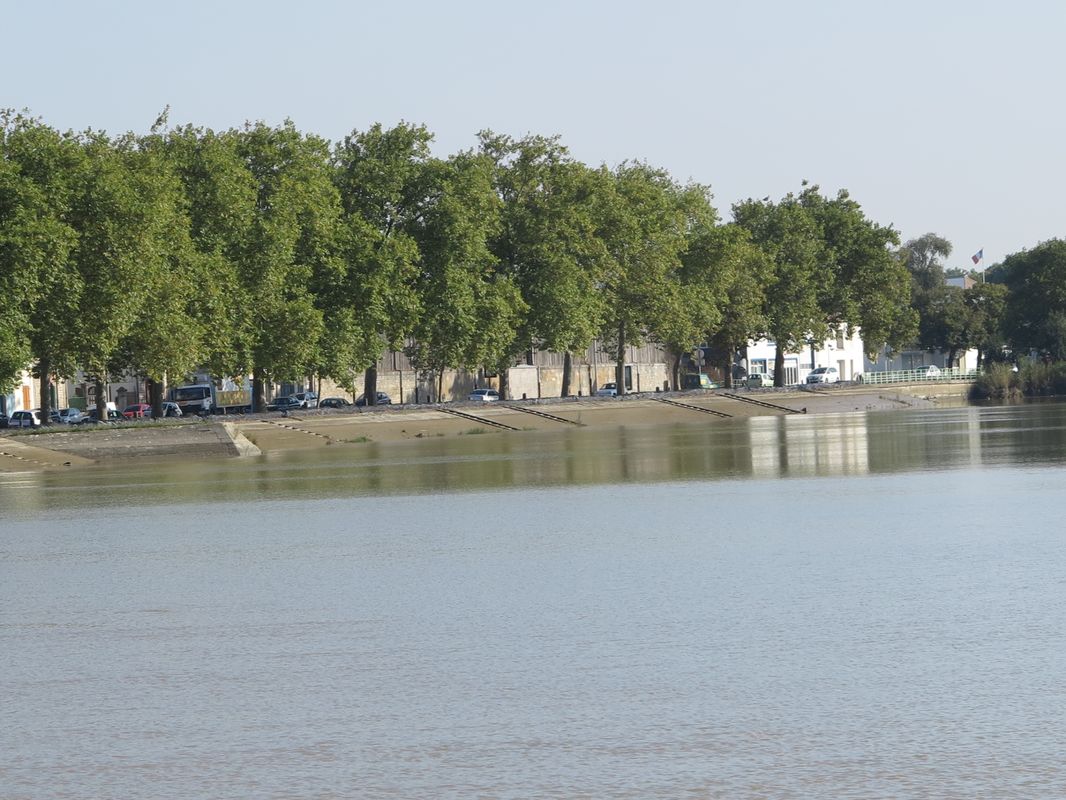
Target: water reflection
764	447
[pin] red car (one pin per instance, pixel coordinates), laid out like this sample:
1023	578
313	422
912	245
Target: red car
137	411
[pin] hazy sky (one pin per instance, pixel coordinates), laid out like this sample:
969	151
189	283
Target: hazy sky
936	116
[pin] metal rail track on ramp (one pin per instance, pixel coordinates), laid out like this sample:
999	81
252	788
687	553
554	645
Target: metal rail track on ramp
701	409
473	418
552	417
762	403
297	429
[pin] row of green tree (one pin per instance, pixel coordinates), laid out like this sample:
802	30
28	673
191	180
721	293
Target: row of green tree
268	251
1014	310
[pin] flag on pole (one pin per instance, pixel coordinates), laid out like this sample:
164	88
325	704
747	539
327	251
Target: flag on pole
978	255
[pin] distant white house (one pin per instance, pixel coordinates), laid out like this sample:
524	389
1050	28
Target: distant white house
962	281
841	351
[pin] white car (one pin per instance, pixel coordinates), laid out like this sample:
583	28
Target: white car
607	390
25	419
757	380
824	375
484	395
928	371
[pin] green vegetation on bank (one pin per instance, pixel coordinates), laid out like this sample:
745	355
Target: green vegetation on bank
1031	379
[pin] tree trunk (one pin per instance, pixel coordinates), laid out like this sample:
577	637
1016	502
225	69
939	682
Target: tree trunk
727	369
155	397
951	356
676	369
101	401
45	367
568	370
440	385
258	391
620	361
370	385
779	366
505	384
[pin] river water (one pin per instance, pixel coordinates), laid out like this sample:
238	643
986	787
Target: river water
855	606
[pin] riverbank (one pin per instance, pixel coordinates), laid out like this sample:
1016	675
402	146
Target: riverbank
60	448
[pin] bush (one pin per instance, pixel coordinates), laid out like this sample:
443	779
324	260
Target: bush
1035	378
998	382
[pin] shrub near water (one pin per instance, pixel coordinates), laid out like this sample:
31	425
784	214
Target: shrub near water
998	382
1038	378
1034	378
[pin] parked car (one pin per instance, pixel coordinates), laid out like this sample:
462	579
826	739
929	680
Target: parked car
334	402
4	420
484	395
172	410
607	390
307	399
383	400
928	371
137	411
698	380
91	416
69	416
758	380
287	403
824	375
25	419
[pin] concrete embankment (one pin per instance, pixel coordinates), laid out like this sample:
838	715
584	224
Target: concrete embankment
255	434
60	448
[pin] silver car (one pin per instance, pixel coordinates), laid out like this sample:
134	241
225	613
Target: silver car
70	416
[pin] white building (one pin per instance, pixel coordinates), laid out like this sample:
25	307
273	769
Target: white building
26	395
841	351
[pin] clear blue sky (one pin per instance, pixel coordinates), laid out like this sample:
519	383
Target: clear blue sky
936	116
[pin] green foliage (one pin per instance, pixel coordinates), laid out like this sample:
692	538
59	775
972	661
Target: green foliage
789	237
865	284
829	266
373	302
220	207
998	382
643	219
1035	313
39	174
546	240
292	241
472	309
923	257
